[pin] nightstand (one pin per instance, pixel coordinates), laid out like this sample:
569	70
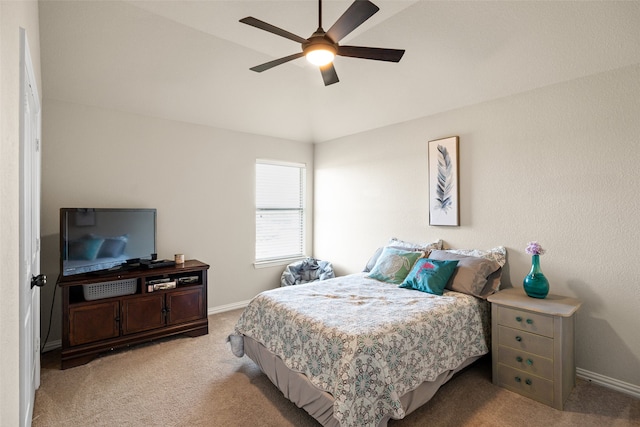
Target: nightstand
533	345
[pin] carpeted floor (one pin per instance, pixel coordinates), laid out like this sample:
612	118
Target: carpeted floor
198	382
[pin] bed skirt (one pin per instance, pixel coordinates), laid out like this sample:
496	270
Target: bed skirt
318	403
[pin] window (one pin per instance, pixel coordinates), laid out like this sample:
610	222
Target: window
280	189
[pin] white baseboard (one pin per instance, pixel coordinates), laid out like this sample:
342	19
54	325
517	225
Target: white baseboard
228	307
612	383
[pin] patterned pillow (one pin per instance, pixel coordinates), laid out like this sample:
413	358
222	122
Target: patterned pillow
415	246
429	275
498	254
394	264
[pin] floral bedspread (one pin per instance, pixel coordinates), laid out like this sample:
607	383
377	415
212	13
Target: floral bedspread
367	342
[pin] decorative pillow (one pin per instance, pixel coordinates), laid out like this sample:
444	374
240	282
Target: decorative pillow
471	275
429	275
498	254
401	244
394	264
415	246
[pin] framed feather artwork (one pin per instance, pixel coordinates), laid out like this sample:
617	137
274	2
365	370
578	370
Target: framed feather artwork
443	182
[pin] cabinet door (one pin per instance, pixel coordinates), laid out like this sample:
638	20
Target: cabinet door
185	305
142	313
95	322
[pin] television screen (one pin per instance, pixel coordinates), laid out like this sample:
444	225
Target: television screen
102	239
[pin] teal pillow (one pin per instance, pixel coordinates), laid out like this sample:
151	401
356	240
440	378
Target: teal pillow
394	264
429	275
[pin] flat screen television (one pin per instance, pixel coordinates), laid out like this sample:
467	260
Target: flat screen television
103	239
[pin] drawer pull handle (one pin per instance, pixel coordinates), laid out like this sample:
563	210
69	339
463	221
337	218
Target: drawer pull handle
520	359
530	321
518	338
528	381
518	379
518	319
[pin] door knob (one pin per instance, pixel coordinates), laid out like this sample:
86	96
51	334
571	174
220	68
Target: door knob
40	280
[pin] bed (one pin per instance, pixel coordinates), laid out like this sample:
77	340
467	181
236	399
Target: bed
358	351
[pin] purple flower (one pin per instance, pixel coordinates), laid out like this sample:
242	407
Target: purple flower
534	248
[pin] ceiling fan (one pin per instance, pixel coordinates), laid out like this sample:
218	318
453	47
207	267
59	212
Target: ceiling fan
322	46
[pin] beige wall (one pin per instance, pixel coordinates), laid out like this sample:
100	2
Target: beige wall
200	179
13	16
558	165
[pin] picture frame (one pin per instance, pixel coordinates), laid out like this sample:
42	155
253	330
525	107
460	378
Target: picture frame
444	191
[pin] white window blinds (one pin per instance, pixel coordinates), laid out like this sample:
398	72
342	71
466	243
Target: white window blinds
279	211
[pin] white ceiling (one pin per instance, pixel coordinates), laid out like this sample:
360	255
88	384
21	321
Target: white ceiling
190	60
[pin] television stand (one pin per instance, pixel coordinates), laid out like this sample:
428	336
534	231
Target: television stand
127	307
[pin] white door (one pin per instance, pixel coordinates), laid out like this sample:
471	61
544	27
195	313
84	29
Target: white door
29	234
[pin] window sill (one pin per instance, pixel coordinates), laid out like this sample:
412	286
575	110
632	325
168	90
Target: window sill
277	262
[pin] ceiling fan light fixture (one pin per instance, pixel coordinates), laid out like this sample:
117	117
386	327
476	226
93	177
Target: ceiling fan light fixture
322	47
320	56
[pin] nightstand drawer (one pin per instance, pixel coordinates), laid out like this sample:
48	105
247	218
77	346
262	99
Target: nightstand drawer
528	385
525	341
526	362
526	321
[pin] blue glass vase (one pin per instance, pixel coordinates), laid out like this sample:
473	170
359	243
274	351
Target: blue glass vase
535	284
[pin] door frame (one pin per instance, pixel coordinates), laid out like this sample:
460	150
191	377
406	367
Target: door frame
29	241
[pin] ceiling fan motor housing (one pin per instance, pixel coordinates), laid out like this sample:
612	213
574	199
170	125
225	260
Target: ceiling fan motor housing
319	40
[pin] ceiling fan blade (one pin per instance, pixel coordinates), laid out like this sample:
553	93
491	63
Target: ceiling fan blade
249	20
267	65
352	18
329	74
376	53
